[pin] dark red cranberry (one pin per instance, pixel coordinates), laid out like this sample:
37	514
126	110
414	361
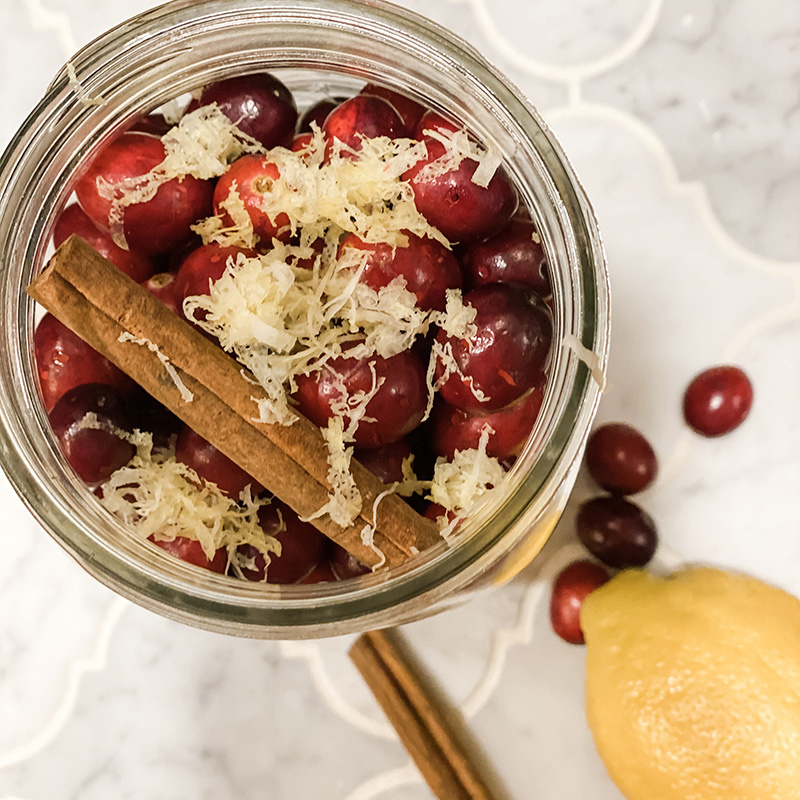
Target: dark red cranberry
213	466
302	546
154	124
345	565
434	511
163	287
190	551
459	208
506	357
154	226
511	256
64	360
72	220
409	110
363	116
434	121
396	409
620	459
428	268
718	400
454	429
93	449
617	532
253	176
573	585
318	112
147	414
259	104
322	573
386	462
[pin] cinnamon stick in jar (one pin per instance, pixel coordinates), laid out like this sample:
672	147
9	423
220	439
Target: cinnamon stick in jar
210	392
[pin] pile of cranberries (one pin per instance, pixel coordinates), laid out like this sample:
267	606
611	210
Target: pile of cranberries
497	262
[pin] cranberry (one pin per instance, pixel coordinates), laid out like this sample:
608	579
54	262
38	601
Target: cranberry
345	565
73	220
510	256
64	360
620	459
386	462
154	124
154	226
322	573
318	112
573	585
301	142
93	452
147	414
454	429
163	287
189	550
617	532
363	116
718	400
434	511
396	409
409	110
434	121
302	546
507	355
459	208
428	268
259	104
253	177
212	465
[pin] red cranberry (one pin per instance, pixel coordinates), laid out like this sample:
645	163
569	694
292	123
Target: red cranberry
459	208
93	452
253	176
571	588
363	116
318	112
409	110
344	565
302	546
64	360
147	414
718	400
72	220
620	459
428	268
434	511
397	407
434	121
212	465
259	104
154	124
454	429
507	355
386	462
511	256
189	550
163	287
301	142
617	532
322	573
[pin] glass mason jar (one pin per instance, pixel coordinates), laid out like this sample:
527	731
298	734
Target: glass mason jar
318	48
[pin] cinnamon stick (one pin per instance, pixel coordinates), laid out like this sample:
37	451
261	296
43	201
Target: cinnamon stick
100	304
424	729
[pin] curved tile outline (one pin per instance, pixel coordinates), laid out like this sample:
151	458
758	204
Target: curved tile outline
384	781
56	22
96	661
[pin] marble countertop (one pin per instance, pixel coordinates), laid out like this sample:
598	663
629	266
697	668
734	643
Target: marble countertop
682	118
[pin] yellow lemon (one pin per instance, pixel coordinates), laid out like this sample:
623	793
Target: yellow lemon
693	686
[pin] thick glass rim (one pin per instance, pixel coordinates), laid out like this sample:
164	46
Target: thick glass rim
181	40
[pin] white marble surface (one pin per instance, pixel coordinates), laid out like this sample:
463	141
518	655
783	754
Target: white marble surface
683	119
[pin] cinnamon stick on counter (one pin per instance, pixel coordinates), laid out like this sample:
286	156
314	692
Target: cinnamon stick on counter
170	359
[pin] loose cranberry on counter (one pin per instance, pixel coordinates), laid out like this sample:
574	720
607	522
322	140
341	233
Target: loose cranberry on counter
212	465
163	287
302	546
154	226
318	112
259	104
459	208
573	585
73	220
620	459
253	176
363	116
189	550
454	429
387	461
428	268
510	256
718	401
64	361
434	121
345	565
409	110
617	532
396	409
506	357
95	450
